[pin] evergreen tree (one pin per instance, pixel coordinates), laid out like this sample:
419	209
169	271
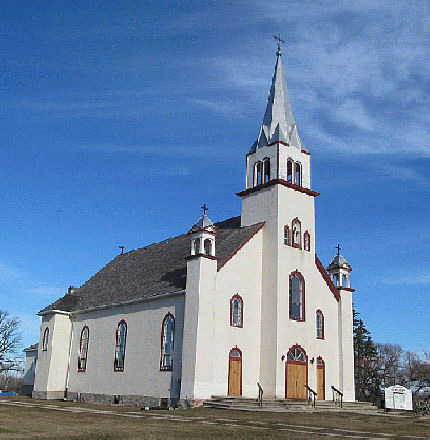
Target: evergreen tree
366	363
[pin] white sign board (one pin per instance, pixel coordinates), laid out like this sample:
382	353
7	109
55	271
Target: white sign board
398	397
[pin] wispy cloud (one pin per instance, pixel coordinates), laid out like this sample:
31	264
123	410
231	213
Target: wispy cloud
9	272
407	280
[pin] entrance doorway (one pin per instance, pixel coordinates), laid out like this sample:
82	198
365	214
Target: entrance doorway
320	378
296	373
235	372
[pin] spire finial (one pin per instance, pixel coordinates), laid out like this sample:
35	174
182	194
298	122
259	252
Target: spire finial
204	207
279	40
338	249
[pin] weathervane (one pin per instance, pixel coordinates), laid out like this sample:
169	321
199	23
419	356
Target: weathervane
204	207
279	40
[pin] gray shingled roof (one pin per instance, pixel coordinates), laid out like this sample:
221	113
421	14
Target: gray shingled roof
32	347
151	270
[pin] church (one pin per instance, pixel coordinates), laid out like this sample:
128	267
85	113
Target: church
219	309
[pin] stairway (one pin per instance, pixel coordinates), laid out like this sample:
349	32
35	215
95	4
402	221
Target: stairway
281	405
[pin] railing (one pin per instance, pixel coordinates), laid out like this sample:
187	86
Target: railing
260	395
311	396
337	396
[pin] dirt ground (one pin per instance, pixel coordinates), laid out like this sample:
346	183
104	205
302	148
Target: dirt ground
23	418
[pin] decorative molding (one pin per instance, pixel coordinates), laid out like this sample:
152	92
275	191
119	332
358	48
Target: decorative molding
240	247
282	182
210	257
327	279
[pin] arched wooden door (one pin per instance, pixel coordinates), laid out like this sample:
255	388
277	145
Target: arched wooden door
296	373
320	378
235	372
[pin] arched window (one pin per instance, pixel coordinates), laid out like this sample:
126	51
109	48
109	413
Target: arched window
121	339
236	311
83	349
344	281
290	165
208	246
298	174
258	173
167	342
266	170
45	339
296	354
306	241
320	324
336	280
297	233
297	296
286	234
197	246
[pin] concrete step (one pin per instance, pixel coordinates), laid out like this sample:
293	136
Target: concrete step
251	404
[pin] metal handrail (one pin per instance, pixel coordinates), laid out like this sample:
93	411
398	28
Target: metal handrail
313	393
337	396
260	394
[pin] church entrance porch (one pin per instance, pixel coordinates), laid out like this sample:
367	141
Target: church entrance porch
320	378
235	372
296	373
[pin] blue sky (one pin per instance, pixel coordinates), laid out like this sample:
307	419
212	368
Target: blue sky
119	119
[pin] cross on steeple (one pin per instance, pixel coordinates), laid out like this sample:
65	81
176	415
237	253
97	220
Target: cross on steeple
279	40
122	249
204	209
338	249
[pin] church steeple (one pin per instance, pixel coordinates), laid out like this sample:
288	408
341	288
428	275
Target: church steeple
278	124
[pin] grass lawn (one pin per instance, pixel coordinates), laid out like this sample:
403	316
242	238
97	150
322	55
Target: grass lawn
65	420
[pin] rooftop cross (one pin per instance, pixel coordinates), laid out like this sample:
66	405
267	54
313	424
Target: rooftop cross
338	249
204	209
279	40
122	249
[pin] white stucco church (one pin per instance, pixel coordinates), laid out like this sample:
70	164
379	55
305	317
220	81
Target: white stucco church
219	308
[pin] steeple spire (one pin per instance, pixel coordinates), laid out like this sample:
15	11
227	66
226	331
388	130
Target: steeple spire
278	122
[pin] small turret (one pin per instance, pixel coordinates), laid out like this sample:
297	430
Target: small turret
203	235
339	270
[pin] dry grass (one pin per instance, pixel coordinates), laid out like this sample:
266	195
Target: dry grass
19	422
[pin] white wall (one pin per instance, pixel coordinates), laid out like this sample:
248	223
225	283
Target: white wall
141	375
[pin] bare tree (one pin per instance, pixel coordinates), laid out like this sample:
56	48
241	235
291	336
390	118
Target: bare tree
10	339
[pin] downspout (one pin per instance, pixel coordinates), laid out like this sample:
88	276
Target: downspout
70	354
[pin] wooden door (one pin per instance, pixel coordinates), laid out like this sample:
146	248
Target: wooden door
235	372
296	374
296	381
320	379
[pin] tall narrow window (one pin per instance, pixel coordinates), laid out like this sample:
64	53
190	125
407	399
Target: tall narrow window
258	173
344	281
320	324
297	296
167	342
336	280
266	170
306	241
290	165
121	339
45	339
197	246
286	234
298	174
208	246
236	311
83	349
296	233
